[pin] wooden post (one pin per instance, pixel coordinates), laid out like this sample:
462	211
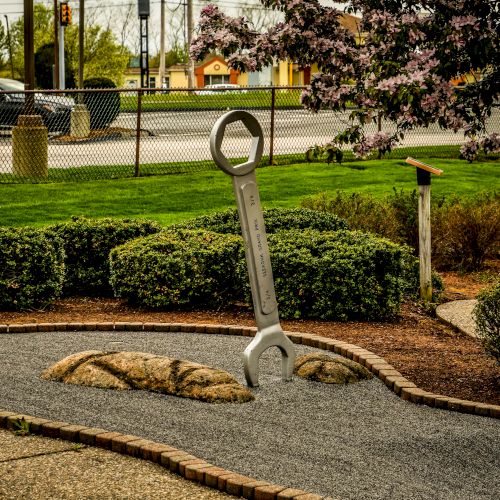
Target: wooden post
424	225
424	233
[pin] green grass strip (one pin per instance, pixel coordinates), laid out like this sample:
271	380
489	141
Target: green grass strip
171	198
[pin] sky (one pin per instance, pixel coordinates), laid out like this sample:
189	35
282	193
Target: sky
102	9
14	8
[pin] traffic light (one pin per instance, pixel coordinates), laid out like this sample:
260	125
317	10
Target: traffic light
65	11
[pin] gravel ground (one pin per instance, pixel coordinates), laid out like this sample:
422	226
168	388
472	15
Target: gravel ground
62	471
351	442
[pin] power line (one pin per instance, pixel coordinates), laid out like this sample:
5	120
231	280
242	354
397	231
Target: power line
98	6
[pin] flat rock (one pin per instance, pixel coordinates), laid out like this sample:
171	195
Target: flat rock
139	370
330	370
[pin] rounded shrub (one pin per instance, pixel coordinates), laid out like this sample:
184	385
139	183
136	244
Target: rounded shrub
487	316
338	275
276	219
103	106
87	243
467	232
31	268
183	268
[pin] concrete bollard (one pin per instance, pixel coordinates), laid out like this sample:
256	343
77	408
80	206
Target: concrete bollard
80	121
30	142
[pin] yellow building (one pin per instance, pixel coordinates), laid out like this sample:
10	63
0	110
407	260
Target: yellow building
214	70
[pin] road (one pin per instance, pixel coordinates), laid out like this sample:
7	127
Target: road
184	137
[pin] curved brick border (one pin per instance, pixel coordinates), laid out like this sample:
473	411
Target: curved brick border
393	379
196	469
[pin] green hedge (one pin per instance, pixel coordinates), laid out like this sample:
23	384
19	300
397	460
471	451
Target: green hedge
31	268
87	243
487	316
330	275
103	106
276	219
189	269
337	275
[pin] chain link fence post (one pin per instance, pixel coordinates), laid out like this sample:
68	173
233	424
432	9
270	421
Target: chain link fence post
138	134
271	134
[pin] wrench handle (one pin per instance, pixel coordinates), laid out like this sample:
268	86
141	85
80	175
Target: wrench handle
256	249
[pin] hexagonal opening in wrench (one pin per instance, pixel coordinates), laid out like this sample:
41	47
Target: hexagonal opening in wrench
236	143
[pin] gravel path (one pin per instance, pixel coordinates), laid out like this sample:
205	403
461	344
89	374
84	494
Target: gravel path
350	442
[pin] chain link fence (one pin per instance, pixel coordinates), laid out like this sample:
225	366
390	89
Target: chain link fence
110	133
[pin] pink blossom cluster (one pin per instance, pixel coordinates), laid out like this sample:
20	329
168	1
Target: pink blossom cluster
402	68
458	22
469	150
489	144
381	141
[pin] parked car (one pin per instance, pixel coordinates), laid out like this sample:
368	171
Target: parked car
55	110
217	88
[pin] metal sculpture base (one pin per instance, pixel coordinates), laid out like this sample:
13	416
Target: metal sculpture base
269	337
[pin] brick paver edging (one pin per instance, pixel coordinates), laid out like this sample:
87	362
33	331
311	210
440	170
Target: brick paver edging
173	459
196	469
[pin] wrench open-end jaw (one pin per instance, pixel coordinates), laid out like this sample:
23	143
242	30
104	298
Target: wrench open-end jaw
269	331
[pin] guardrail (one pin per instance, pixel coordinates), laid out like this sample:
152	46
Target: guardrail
108	133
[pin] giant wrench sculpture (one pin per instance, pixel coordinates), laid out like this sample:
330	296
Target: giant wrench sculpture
269	331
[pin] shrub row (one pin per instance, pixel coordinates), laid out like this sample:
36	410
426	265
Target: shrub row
276	219
31	268
331	275
87	243
38	265
177	269
464	232
342	275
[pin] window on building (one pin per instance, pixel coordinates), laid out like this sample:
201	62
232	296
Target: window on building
132	84
215	79
152	82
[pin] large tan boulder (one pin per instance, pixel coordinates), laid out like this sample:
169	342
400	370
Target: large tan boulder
321	367
139	370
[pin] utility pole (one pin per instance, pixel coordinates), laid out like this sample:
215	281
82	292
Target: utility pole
81	42
80	116
143	10
10	46
56	46
162	44
191	81
64	20
29	58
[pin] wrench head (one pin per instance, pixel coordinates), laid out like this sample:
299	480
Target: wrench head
256	145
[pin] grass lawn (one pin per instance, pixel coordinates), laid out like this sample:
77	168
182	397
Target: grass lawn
170	198
185	100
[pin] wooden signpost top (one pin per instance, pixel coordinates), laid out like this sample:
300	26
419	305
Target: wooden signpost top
423	166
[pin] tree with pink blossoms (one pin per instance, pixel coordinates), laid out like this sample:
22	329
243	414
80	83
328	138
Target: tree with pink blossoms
401	69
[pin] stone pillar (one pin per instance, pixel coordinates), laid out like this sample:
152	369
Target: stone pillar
30	142
80	121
